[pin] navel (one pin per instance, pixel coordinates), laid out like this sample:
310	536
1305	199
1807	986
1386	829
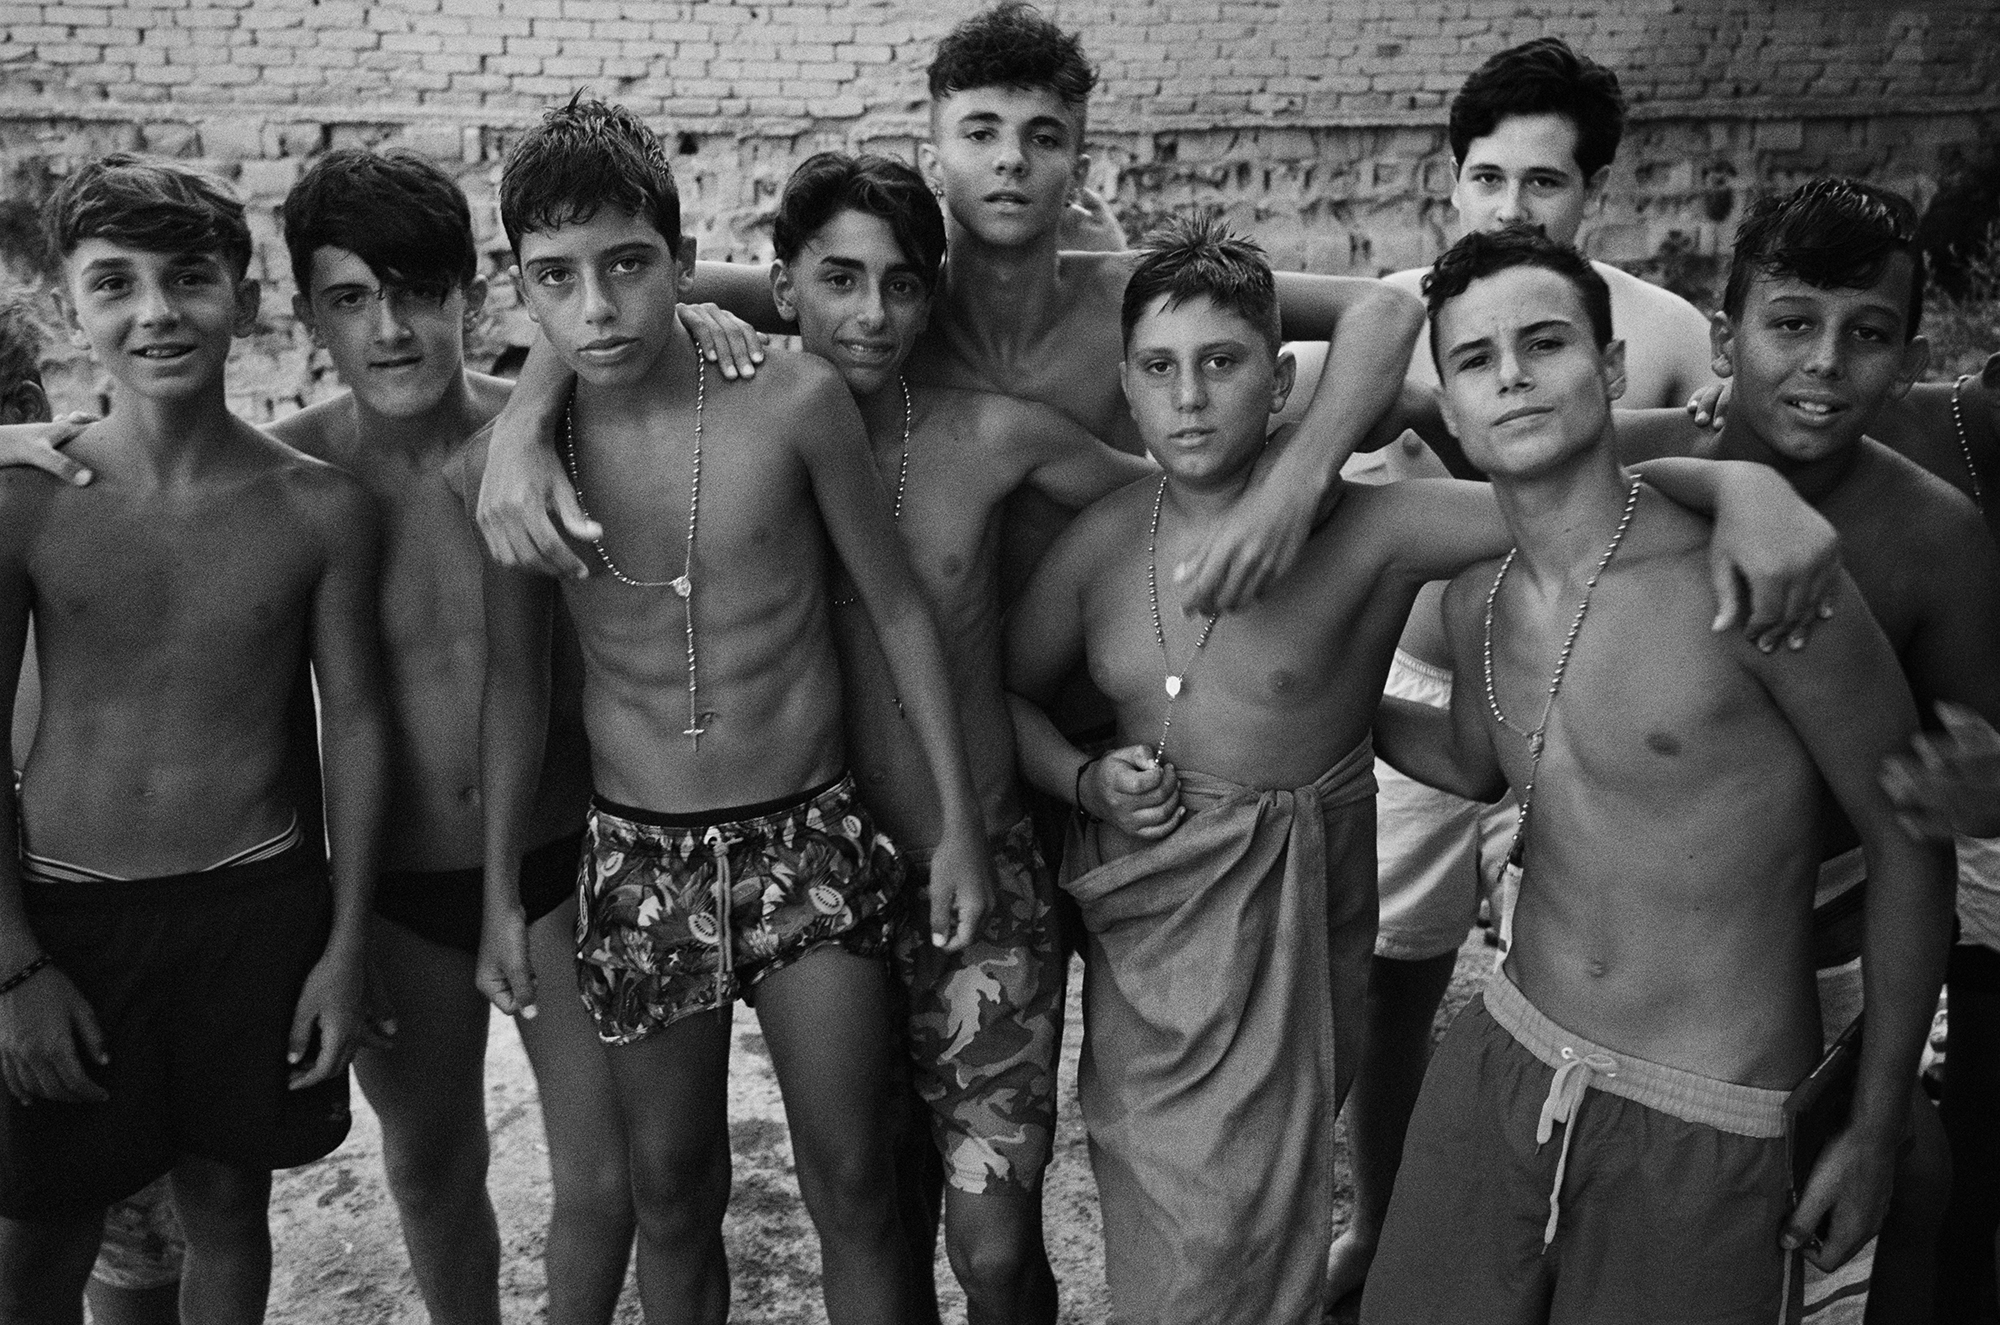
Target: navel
1662	744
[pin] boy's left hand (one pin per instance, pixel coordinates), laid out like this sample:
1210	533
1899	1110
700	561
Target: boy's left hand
1257	542
40	445
1949	782
330	1003
1774	561
1849	1182
961	890
724	339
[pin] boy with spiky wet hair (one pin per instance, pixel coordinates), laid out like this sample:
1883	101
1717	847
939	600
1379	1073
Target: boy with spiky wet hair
183	988
726	852
382	247
859	243
1657	1004
1225	862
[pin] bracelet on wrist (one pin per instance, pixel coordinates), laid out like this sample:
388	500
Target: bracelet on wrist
1081	809
22	976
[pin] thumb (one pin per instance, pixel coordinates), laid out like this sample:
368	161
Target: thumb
569	511
72	472
1728	588
89	1034
301	1040
941	899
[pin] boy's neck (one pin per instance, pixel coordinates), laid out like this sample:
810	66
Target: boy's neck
1203	503
1813	480
441	428
1562	520
883	411
1009	293
172	437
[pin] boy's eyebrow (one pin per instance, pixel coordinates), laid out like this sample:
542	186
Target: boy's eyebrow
856	264
1034	122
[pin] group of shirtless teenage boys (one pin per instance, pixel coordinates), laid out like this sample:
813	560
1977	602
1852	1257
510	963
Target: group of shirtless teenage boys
765	660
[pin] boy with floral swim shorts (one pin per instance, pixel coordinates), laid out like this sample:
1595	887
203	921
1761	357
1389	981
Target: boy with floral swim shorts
726	852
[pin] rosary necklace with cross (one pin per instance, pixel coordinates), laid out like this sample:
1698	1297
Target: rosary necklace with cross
1174	680
896	514
1537	736
682	584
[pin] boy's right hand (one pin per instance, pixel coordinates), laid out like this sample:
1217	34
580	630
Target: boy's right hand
47	1031
523	487
40	445
504	973
1134	792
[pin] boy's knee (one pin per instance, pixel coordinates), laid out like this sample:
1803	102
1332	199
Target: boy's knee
679	1183
213	1198
991	1263
441	1169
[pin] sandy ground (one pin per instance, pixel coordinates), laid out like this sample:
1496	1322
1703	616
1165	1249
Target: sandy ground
340	1258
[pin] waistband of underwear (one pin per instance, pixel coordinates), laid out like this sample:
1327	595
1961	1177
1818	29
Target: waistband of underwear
919	858
1724	1105
716	818
302	866
50	870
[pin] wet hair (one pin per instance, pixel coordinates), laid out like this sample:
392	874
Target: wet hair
1542	77
148	204
1836	234
829	183
21	342
395	210
1012	45
583	157
1482	254
1199	257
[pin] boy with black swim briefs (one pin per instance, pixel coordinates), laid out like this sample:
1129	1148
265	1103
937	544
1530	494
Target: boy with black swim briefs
859	243
1658	1002
726	852
1226	872
1817	338
1014	315
183	986
382	251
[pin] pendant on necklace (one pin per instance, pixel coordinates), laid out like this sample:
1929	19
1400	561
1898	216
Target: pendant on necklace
681	585
1173	687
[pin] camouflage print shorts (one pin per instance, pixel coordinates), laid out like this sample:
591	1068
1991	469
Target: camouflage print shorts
142	1245
679	914
985	1023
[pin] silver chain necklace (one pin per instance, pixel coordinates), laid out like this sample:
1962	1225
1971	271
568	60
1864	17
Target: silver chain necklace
1965	442
902	480
682	584
1174	680
1537	736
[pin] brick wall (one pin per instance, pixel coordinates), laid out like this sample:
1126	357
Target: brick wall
1316	122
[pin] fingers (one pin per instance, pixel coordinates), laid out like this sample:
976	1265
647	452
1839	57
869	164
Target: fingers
52	461
1723	581
507	981
1801	1229
304	1021
724	339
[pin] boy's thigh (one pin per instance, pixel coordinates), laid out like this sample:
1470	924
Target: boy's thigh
671	1088
1462	1240
435	1062
984	1024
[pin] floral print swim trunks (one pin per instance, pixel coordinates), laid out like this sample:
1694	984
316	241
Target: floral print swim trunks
680	913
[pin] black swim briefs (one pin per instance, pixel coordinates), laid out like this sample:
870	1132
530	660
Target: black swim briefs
443	906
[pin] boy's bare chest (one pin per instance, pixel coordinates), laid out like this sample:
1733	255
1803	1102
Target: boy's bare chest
1071	367
203	574
431	592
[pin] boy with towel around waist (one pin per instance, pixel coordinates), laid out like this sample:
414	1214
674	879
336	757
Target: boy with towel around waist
1658	1001
1228	878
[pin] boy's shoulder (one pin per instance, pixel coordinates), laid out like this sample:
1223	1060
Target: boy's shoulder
1097	276
1893	494
324	430
1114	522
790	385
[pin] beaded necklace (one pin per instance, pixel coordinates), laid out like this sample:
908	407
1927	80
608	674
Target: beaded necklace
1174	679
1964	442
682	584
1537	736
902	479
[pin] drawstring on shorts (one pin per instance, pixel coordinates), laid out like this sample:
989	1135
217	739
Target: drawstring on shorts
1565	1096
725	955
